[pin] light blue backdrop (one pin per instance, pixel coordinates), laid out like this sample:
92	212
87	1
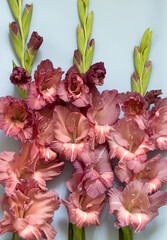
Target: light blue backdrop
118	27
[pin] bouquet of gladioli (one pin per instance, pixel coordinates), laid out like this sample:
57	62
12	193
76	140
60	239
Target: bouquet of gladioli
62	118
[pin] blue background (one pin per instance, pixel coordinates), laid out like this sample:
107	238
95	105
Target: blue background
118	27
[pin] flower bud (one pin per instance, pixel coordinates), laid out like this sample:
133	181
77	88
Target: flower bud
81	10
81	39
86	2
35	42
16	38
135	83
146	40
26	19
78	59
14	7
89	54
20	77
138	61
146	75
96	74
32	48
89	24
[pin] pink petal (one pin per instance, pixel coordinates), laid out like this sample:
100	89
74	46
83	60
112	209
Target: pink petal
101	132
61	132
48	231
139	221
103	106
114	199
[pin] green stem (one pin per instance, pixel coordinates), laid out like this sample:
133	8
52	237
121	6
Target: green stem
22	35
86	40
70	232
78	233
16	237
125	233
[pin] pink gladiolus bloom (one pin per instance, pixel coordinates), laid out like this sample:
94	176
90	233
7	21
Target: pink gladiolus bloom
152	97
27	165
129	142
96	178
96	74
104	113
159	128
133	207
71	132
28	212
153	172
44	90
134	106
84	210
16	119
44	135
73	88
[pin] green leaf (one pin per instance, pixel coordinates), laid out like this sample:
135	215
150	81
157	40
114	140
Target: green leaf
138	60
89	24
14	64
78	66
86	3
26	19
146	75
79	233
70	231
146	40
81	39
22	93
14	7
135	83
89	54
16	41
29	59
77	59
81	10
145	55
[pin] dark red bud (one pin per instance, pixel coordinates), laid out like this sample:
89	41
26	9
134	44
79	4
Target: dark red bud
135	77
28	7
77	56
14	28
35	42
92	42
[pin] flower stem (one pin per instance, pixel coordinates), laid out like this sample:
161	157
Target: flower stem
78	233
22	34
125	234
70	232
16	237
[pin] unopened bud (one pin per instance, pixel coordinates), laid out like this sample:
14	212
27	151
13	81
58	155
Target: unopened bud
35	42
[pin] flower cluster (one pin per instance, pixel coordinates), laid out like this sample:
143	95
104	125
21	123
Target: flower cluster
142	129
71	120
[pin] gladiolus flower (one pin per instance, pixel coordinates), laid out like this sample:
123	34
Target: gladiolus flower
84	210
133	207
43	91
104	113
159	128
15	118
73	88
17	167
96	178
96	74
28	212
153	172
129	142
71	131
